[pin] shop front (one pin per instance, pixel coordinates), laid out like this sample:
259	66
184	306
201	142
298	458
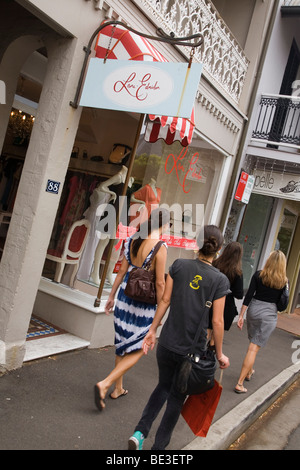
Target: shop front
63	165
166	164
269	221
163	175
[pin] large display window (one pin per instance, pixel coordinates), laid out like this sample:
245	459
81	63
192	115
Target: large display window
183	179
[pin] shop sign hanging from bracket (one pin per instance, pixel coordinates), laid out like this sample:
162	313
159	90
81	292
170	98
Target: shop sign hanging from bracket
153	88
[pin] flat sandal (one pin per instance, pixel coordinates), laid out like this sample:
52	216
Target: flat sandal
244	390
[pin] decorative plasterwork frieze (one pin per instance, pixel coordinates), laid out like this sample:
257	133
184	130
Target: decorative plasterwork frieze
215	110
103	5
222	56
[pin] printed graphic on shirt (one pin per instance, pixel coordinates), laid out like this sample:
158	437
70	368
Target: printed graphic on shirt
194	284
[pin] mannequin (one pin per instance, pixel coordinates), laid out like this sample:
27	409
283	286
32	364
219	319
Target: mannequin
103	242
148	197
101	196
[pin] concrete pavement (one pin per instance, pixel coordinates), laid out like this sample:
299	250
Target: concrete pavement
48	403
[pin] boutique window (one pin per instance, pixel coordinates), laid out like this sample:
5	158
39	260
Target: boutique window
183	179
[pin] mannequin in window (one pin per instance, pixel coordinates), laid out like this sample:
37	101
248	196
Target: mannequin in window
100	197
103	242
148	197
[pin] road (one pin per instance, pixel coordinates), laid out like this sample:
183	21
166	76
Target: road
276	429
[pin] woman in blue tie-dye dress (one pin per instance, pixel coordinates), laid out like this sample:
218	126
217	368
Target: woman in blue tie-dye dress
132	319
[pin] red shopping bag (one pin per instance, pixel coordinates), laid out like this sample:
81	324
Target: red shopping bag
198	410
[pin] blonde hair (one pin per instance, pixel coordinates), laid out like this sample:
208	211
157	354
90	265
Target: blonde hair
273	273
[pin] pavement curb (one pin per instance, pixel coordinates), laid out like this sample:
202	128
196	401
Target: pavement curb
228	428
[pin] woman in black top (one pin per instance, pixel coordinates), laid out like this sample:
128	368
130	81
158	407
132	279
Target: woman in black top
230	264
190	283
261	300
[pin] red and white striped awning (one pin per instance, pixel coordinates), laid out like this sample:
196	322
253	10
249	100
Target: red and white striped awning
170	129
116	42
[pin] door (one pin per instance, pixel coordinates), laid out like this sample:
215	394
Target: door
253	233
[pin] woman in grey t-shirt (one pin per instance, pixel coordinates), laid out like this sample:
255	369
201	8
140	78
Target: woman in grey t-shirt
189	285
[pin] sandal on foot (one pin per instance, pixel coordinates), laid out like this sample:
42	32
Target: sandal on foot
243	389
119	396
99	401
249	376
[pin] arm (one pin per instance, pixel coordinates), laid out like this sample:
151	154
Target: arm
240	321
237	287
252	289
119	278
150	338
218	331
160	265
104	186
250	292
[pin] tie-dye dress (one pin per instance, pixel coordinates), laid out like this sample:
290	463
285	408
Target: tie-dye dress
132	319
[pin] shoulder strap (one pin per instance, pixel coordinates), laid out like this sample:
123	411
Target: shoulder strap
156	248
208	305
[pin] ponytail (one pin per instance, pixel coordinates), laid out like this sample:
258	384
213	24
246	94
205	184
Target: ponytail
210	239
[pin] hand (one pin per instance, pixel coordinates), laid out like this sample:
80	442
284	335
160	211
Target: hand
224	362
240	323
149	341
109	306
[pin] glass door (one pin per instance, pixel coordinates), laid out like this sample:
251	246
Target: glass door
286	232
253	233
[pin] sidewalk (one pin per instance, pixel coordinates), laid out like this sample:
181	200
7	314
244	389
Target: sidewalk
48	403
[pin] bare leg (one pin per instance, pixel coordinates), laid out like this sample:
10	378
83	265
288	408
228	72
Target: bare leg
247	367
118	390
123	364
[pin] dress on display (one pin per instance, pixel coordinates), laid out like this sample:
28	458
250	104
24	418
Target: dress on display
132	319
76	204
151	199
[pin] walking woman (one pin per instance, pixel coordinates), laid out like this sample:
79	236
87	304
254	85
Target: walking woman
230	264
260	301
132	319
190	283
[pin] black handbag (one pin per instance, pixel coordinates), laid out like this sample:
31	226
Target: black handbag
284	299
196	373
141	281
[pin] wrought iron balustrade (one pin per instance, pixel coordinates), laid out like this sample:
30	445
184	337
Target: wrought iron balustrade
278	121
291	3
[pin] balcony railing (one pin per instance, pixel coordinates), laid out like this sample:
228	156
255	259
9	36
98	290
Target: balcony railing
290	8
291	3
278	122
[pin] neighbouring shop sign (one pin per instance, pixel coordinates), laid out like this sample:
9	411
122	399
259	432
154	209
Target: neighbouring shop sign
142	87
244	187
282	185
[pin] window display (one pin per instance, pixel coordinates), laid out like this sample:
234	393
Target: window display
182	179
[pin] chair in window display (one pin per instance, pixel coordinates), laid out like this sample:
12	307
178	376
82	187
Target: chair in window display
72	251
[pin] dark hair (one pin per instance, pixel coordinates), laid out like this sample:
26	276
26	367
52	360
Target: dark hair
210	239
157	219
230	260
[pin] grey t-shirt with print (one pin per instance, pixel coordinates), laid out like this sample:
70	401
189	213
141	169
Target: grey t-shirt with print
194	282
